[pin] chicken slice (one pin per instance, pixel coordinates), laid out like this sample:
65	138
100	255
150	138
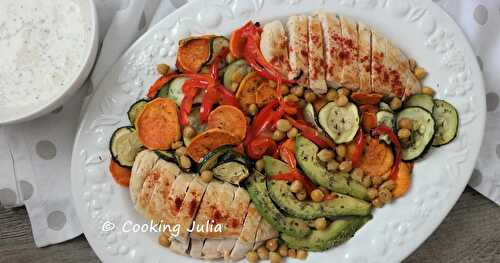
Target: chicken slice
317	82
238	212
403	82
189	208
156	207
296	28
264	232
209	250
225	247
350	53
214	210
332	34
246	239
141	169
179	247
196	246
365	58
274	46
379	79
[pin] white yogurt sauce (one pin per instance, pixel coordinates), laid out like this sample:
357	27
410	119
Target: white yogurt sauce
43	46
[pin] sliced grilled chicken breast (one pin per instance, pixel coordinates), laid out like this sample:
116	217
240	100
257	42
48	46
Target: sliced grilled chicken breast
196	246
350	53
140	171
189	207
365	58
246	239
274	46
225	247
298	50
379	81
332	34
264	233
210	249
238	212
402	81
179	247
317	81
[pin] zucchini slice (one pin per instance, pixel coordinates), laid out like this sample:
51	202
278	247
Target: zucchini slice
232	172
420	100
175	91
422	133
135	109
235	73
384	106
217	44
194	122
310	116
211	159
125	145
446	117
341	123
166	155
163	92
386	118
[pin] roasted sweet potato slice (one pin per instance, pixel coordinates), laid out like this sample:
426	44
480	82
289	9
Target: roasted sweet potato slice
120	174
193	53
208	141
265	93
402	181
377	158
158	125
228	118
362	98
247	90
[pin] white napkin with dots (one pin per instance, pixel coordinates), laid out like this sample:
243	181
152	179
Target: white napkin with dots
35	156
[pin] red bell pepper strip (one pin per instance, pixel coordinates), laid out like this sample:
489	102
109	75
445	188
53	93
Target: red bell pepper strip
260	146
287	152
295	175
226	97
383	129
207	103
159	83
330	196
214	68
311	133
358	151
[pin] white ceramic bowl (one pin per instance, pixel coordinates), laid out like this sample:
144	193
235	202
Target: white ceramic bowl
10	115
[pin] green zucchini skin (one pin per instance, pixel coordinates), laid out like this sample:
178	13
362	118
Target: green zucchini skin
420	100
135	109
447	123
340	123
124	145
420	142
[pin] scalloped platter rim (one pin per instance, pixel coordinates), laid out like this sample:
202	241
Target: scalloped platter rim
420	28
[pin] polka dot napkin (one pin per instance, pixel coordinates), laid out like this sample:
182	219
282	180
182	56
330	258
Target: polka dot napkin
35	157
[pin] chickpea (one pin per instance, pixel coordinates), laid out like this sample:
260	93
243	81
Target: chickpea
341	150
272	244
259	165
367	181
263	252
377	202
389	185
301	254
377	180
428	91
296	187
292	253
395	103
284	90
404	134
420	73
405	123
176	145
320	223
181	151
291	98
275	257
309	96
345	166
184	162
302	195
188	132
332	95
292	133
252	257
253	109
357	174
163	69
283	250
206	176
344	91
385	195
164	240
342	101
332	165
278	135
372	193
297	91
317	195
283	125
326	155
